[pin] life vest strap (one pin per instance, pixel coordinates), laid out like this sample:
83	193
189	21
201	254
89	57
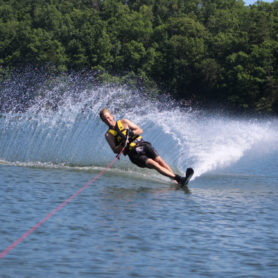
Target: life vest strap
136	141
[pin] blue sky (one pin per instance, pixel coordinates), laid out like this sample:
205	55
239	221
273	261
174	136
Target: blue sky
249	2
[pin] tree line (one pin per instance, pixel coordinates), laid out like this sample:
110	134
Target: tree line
208	51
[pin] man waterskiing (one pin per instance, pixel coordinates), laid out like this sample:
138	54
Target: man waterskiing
126	134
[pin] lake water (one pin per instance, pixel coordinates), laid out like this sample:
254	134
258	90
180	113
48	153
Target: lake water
131	222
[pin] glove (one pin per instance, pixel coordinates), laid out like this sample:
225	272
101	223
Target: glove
130	133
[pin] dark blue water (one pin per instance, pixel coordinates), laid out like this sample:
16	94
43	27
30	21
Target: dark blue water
123	227
131	222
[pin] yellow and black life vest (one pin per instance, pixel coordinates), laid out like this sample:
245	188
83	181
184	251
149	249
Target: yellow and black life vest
119	132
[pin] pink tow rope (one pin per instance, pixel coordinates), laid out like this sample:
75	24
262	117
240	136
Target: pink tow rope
59	207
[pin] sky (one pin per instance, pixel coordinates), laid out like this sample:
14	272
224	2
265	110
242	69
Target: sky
249	2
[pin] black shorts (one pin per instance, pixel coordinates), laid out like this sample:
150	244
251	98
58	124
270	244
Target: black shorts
139	154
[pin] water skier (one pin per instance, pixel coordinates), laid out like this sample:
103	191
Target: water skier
124	133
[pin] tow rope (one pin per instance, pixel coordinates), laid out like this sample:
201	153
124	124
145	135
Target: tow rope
59	207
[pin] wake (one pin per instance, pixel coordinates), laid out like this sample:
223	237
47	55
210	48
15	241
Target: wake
57	125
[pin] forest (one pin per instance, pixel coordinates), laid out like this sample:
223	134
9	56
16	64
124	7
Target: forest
199	51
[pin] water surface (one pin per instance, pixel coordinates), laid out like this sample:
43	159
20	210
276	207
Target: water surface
132	222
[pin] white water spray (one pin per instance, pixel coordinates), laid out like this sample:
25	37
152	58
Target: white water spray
60	126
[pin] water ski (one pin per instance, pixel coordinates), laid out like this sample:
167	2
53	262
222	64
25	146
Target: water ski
183	182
